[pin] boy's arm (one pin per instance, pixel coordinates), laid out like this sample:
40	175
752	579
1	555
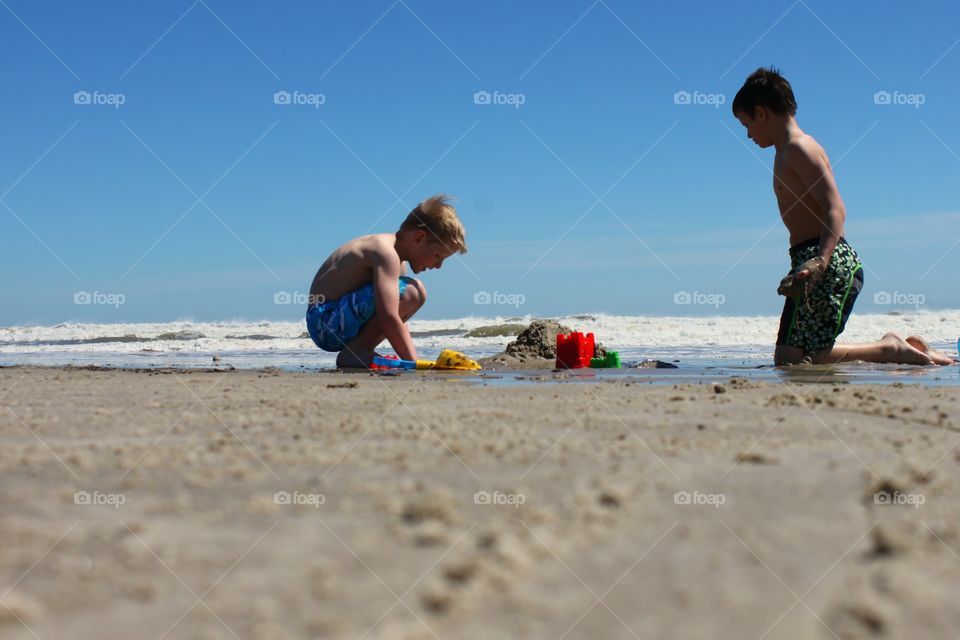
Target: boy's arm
815	175
386	296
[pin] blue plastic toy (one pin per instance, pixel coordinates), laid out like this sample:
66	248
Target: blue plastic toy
392	362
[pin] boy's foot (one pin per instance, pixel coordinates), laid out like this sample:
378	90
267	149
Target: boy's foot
351	359
898	350
920	344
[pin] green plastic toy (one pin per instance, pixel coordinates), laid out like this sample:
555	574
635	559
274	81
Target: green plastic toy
612	361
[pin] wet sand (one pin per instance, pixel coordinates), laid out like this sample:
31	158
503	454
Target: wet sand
260	504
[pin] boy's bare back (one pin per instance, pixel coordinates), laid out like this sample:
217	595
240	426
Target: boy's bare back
805	188
353	265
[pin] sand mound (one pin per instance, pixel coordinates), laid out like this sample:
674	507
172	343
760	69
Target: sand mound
537	340
534	348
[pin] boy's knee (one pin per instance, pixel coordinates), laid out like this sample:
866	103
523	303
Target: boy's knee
415	291
784	355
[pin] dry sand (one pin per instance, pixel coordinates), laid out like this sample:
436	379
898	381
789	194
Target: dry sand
784	539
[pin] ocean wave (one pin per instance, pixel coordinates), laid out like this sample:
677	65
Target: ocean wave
179	335
75	341
471	334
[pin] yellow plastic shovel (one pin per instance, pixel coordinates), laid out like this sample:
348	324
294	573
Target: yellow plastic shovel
450	360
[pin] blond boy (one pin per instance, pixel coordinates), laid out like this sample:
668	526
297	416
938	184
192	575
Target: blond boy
360	295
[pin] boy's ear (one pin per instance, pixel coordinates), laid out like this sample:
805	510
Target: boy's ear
419	236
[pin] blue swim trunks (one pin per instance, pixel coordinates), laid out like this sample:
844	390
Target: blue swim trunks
334	323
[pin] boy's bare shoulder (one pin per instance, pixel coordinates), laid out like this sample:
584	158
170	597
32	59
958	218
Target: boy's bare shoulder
379	247
803	150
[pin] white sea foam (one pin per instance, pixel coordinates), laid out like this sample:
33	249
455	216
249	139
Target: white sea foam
749	338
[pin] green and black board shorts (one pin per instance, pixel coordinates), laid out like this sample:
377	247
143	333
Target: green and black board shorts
813	321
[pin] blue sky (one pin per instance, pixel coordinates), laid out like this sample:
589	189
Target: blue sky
200	197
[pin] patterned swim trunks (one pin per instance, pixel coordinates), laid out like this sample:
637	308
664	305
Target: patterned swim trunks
813	321
334	323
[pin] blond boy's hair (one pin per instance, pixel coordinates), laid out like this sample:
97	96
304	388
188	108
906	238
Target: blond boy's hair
438	218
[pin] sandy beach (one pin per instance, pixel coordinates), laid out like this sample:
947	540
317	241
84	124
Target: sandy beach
261	504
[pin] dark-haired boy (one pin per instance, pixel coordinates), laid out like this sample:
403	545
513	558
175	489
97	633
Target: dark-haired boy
825	275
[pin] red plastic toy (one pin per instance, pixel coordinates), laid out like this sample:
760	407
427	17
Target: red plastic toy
575	350
375	366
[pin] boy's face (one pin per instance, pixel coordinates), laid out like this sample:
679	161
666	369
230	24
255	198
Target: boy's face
758	126
428	253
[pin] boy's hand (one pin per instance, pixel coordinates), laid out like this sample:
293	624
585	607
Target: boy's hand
386	297
813	269
802	279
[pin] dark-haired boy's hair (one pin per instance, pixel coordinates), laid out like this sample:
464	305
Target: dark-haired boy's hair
765	87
